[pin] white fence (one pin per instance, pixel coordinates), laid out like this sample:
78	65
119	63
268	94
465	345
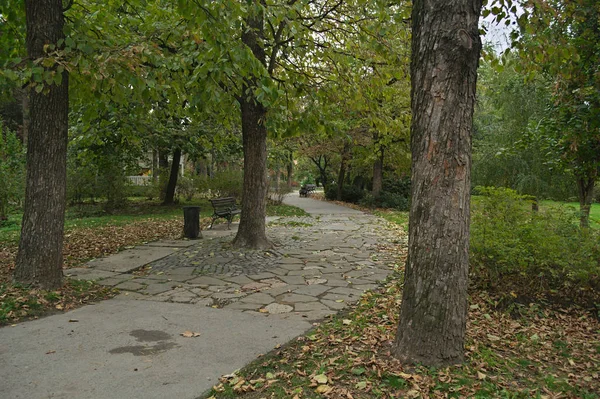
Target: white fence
140	180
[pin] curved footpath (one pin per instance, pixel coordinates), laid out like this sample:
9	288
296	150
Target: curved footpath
242	304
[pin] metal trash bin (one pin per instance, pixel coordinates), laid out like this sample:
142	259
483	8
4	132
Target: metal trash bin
191	222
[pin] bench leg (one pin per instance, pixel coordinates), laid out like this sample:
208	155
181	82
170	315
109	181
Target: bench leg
211	223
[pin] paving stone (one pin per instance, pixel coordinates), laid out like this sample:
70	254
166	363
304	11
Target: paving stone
336	282
112	281
278	308
154	289
204	302
242	306
293	298
310	306
313	268
208	281
312	290
278	271
173	243
294	266
288	261
254	286
225	295
346	291
377	276
131	259
282	290
313	281
293	280
183	298
131	296
317	315
84	273
130	286
258	298
365	287
241	280
200	292
337	297
310	273
333	304
261	276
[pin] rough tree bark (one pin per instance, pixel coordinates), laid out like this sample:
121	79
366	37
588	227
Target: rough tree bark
172	183
251	232
585	187
40	257
445	54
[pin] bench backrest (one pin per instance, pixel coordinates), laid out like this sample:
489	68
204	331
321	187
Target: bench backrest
223	203
310	186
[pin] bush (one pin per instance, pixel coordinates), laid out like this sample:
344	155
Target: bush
543	250
350	193
397	186
12	172
228	183
386	200
276	195
186	187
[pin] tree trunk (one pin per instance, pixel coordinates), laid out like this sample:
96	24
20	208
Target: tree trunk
445	54
585	187
342	172
155	169
40	257
378	173
163	167
290	171
170	189
26	118
251	232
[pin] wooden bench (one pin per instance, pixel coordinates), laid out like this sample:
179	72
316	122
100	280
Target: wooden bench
224	208
306	189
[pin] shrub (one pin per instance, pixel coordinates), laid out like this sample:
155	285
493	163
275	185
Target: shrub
12	171
543	250
228	183
186	187
398	186
276	195
350	193
386	200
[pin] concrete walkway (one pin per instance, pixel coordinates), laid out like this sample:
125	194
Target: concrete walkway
241	302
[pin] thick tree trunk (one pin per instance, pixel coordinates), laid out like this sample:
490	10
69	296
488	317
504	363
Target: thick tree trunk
251	232
40	257
378	173
26	118
172	184
585	187
445	54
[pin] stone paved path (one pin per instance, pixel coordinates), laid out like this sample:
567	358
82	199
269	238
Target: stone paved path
242	303
319	265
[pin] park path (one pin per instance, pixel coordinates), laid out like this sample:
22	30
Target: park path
241	302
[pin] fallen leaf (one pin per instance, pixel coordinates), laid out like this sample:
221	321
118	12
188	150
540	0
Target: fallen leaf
320	378
347	322
481	375
323	389
190	334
